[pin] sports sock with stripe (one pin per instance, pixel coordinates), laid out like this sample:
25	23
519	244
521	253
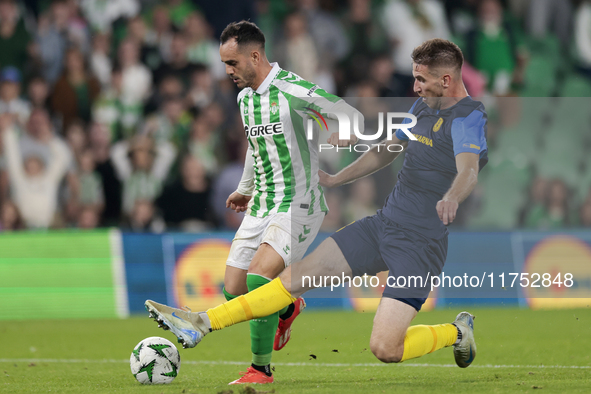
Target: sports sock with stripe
261	302
422	339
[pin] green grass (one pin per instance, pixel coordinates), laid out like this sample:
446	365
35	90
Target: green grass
517	341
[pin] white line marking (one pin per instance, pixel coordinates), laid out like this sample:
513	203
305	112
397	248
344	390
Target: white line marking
191	362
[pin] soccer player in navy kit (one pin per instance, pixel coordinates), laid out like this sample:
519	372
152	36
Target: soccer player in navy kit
408	236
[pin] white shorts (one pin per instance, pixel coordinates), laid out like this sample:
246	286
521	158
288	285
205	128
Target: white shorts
289	235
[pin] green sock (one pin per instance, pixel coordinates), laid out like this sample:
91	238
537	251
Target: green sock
229	297
262	331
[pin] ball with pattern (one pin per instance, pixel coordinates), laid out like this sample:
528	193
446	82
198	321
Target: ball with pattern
155	360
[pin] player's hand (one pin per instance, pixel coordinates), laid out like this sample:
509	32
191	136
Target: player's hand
335	141
238	202
325	179
447	211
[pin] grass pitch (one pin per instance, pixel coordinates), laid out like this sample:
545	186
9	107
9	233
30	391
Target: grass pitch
519	350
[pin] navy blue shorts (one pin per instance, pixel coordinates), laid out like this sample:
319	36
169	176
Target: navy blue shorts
375	244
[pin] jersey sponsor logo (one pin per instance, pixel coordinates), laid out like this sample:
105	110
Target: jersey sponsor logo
471	146
438	125
424	140
312	90
263	130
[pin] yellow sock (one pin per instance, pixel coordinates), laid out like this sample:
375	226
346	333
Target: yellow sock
260	302
421	339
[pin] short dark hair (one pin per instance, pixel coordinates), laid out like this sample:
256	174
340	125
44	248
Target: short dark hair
245	32
438	53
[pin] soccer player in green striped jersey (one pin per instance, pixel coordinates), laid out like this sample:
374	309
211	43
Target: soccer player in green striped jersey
279	189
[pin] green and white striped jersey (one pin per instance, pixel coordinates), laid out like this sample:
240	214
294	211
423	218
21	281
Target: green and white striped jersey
285	162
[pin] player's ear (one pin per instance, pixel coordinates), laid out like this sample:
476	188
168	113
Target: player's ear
255	56
446	80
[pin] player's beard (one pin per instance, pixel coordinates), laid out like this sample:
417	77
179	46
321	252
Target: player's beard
433	102
247	78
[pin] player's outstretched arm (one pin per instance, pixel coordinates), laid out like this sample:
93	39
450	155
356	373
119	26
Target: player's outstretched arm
462	186
376	158
335	141
238	201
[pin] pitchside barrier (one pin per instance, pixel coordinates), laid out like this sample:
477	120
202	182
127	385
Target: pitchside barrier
106	273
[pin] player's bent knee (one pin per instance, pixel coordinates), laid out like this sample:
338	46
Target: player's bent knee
387	354
266	262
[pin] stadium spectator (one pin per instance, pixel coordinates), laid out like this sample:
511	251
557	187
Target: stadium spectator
169	87
38	92
79	35
91	186
462	14
227	181
39	130
203	89
10	101
136	82
555	213
326	31
108	110
142	167
367	37
100	144
143	218
408	24
297	52
102	13
388	81
88	218
138	31
545	17
179	11
10	217
100	61
535	207
15	40
495	49
85	196
34	179
52	40
185	203
171	123
201	48
76	138
85	188
202	144
160	34
178	63
75	91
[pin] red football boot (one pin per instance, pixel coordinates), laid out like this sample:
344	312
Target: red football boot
253	376
283	333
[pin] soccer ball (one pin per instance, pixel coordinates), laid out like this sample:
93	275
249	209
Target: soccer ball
155	360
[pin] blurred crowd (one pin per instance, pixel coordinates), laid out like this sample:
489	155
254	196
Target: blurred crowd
119	112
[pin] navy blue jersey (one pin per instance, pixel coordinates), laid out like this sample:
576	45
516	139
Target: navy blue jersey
429	166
